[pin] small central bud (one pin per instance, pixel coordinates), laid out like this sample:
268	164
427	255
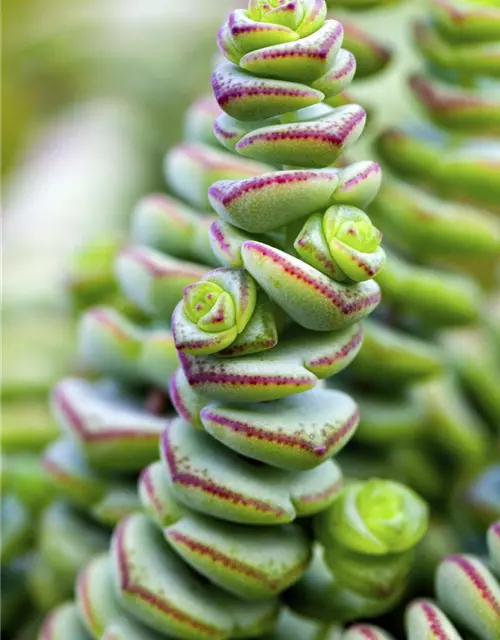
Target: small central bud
352	227
391	511
261	7
382	508
200	298
288	13
362	235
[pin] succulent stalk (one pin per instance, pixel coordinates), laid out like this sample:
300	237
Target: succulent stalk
246	489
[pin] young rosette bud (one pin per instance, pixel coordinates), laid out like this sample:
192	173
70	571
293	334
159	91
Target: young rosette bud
342	244
376	517
269	22
368	535
221	314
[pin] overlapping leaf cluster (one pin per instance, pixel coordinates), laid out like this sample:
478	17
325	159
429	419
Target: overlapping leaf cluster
224	521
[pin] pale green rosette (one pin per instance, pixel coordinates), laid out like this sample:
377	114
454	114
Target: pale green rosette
368	537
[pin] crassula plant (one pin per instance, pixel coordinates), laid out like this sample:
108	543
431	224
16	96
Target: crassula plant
246	515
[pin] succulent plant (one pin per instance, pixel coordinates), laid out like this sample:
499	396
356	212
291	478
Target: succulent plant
228	515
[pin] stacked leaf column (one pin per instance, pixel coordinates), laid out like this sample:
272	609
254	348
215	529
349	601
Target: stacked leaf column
250	452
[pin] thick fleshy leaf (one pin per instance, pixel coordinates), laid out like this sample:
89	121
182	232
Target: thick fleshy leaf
153	280
129	629
301	61
451	422
450	229
260	334
209	478
67	540
63	623
293	627
89	279
95	596
365	632
360	5
229	131
309	297
243	32
371	53
47	586
156	496
368	576
472	112
391	357
187	402
311	144
199	120
478	368
412	151
471	58
293	366
16	529
339	76
358	184
493	540
318	595
391	420
470	594
288	194
226	242
461	169
191	168
71	474
247	97
471	172
161	591
165	224
251	562
110	344
293	433
119	501
23	474
26	425
426	620
467	20
437	297
115	431
159	357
